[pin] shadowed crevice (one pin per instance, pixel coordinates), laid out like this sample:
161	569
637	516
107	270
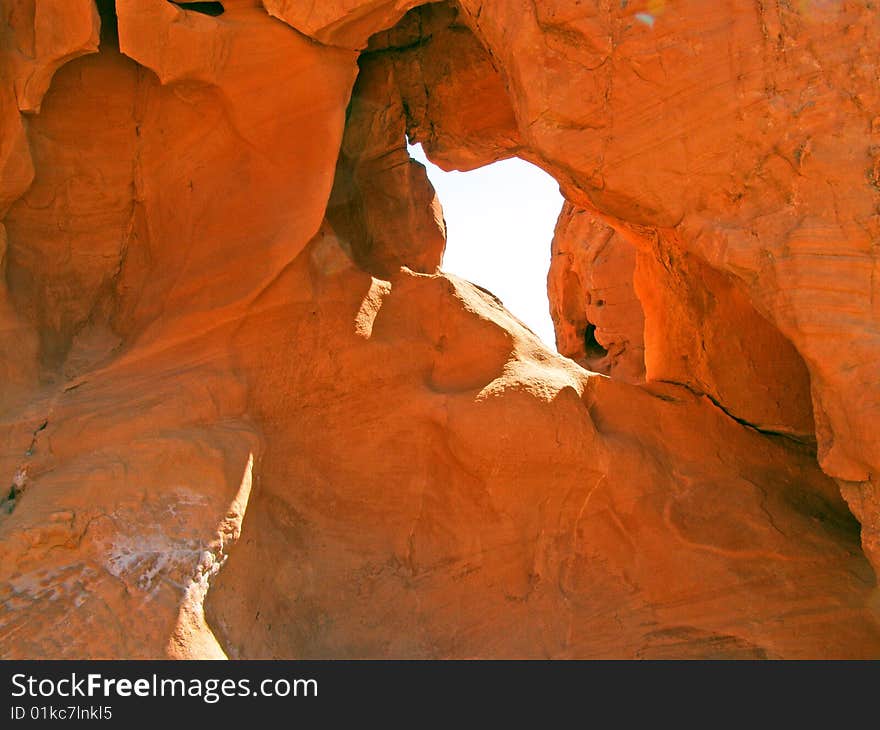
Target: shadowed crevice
205	8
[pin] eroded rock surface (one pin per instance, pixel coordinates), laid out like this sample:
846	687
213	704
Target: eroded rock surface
598	318
244	414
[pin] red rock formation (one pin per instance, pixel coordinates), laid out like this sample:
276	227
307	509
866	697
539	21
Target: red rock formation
761	165
455	99
598	318
243	414
382	207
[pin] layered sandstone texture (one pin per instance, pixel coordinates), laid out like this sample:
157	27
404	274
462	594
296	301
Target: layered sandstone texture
244	413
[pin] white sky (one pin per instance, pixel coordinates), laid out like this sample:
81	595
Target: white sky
499	224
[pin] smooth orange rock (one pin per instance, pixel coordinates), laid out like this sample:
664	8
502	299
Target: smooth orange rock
651	524
382	207
762	165
348	23
455	99
701	331
46	34
598	318
243	415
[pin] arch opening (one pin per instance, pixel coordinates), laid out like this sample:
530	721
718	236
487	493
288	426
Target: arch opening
636	311
499	223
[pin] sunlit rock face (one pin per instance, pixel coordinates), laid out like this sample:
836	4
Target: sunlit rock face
244	414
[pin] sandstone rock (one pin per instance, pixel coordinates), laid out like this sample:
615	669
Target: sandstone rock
597	316
43	35
702	331
455	100
68	232
762	164
467	544
19	344
382	207
102	252
243	414
348	23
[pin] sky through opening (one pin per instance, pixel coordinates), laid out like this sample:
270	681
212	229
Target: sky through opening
499	225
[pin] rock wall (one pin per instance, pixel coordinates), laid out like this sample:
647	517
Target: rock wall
598	317
245	415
